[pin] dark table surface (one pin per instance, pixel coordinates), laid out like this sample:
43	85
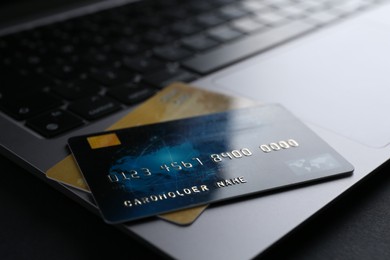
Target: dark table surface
38	222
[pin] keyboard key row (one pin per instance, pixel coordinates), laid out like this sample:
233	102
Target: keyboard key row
213	60
86	68
53	123
26	105
92	108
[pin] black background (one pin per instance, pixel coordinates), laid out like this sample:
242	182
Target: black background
38	222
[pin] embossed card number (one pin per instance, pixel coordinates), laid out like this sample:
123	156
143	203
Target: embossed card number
234	154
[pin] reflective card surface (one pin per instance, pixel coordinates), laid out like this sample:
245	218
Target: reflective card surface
148	170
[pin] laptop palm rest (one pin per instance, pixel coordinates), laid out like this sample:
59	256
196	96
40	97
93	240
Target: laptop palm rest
337	80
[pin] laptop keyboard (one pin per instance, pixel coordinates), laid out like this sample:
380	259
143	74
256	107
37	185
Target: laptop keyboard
61	76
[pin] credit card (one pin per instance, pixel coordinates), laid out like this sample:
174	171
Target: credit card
154	169
178	100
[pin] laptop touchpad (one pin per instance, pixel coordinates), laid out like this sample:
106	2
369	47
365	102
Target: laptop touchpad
338	79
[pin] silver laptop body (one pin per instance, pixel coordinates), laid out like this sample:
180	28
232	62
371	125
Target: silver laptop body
335	79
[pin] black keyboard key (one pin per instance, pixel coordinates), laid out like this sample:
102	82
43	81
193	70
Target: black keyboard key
224	33
129	47
63	71
93	39
29	60
175	13
157	38
199	6
209	20
67	49
171	53
231	12
149	22
131	94
25	105
199	43
77	89
95	107
222	2
101	59
143	64
4	44
165	77
15	84
185	28
112	76
54	123
24	67
242	48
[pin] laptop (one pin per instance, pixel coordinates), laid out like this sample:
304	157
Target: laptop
324	60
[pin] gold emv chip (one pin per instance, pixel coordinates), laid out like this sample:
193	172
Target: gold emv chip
102	141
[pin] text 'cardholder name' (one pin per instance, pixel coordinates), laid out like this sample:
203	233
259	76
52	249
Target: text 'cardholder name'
153	169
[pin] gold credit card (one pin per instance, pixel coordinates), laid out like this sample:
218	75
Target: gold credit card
176	101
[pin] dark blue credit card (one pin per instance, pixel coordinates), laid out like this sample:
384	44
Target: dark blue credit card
153	169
